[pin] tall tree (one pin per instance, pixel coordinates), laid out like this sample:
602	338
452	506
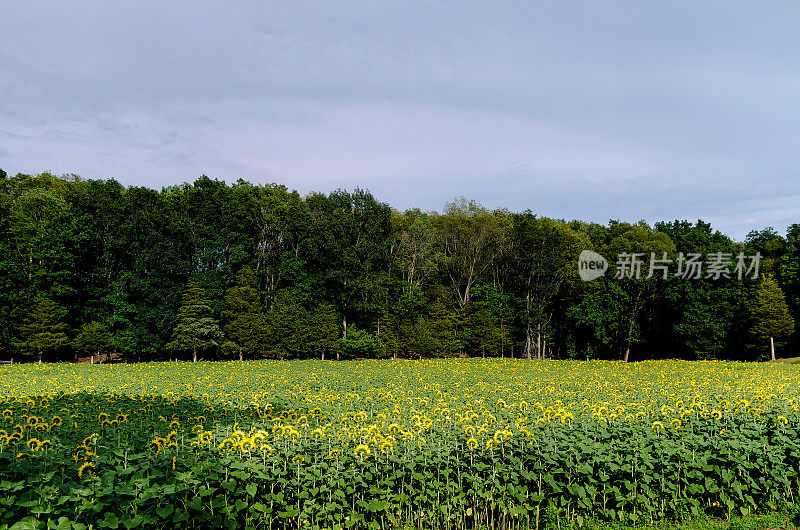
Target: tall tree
245	323
600	318
196	328
42	330
43	232
94	338
156	257
466	236
790	267
414	254
700	312
289	327
324	332
628	244
354	234
770	314
544	256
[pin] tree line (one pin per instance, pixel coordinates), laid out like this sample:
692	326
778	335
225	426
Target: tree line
216	271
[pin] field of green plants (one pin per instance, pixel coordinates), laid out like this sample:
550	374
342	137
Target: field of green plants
395	444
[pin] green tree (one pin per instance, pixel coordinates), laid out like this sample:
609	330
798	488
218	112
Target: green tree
41	330
388	343
770	245
414	254
466	238
482	333
245	323
600	317
95	338
353	233
43	232
770	313
418	337
628	244
440	330
155	262
358	344
700	313
544	258
289	327
196	328
324	332
790	267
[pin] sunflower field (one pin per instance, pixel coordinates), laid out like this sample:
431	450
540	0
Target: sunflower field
394	444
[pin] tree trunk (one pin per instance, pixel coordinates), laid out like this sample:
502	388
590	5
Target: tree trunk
344	334
322	357
502	341
528	330
40	357
194	355
628	342
630	328
772	349
241	355
528	341
538	345
91	359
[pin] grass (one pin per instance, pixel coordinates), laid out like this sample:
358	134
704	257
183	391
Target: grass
775	521
788	360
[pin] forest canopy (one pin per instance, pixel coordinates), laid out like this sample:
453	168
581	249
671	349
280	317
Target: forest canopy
216	271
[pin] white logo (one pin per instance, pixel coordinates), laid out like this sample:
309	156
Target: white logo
591	265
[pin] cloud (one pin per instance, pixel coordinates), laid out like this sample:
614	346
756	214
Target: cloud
574	109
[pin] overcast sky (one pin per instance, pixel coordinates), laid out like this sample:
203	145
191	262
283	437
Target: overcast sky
592	110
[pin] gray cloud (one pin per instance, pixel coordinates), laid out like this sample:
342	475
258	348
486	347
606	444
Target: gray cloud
573	109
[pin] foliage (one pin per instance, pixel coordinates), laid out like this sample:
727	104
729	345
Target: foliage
245	323
324	336
196	328
466	281
396	444
94	338
358	344
769	311
42	330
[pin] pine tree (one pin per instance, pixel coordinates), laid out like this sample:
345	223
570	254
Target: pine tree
770	313
245	324
445	328
196	328
324	333
42	330
420	339
289	327
483	334
95	338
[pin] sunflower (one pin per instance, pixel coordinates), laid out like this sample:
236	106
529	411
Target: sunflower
83	467
657	426
361	451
